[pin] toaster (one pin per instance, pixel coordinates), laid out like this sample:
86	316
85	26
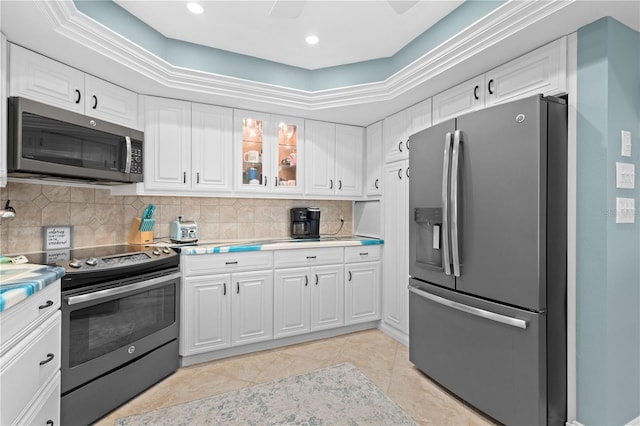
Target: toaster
183	231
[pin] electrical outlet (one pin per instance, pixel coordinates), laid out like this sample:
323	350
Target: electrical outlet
625	210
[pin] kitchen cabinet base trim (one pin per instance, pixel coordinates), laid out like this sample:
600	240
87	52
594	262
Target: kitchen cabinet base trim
271	344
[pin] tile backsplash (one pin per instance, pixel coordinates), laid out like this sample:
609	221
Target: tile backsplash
98	218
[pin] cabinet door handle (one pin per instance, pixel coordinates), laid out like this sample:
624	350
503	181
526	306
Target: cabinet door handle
475	93
311	257
317	279
489	87
364	254
350	276
198	177
50	358
276	179
340	184
78	96
306	280
49	423
330	183
238	287
95	102
224	289
235	262
400	146
265	180
376	183
400	173
407	172
184	177
46	305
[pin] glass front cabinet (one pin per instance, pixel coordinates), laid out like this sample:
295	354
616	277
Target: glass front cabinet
268	149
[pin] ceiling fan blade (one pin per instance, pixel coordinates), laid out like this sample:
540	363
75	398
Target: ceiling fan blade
287	9
401	6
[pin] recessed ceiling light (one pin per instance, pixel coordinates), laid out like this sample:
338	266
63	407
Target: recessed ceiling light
195	8
312	39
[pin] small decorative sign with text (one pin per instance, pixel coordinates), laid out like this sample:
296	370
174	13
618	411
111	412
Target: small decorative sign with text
57	237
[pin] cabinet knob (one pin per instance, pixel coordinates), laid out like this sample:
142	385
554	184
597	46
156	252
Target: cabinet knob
93	123
49	423
78	96
475	93
489	87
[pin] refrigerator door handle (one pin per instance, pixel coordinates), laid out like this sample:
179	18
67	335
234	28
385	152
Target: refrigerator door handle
446	262
514	322
455	243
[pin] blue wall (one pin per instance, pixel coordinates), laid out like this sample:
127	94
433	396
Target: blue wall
608	254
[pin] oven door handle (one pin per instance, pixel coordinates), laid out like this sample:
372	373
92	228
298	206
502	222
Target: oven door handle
101	294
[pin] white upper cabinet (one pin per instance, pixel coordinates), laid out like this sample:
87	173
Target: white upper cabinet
167	144
397	129
44	80
373	179
211	148
461	99
335	159
540	71
320	166
187	146
350	159
395	133
268	150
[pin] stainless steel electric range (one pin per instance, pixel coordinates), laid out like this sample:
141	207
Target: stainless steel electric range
119	326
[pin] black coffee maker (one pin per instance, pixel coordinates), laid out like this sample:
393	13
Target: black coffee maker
305	222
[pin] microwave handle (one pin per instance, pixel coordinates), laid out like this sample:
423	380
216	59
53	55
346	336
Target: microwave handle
127	167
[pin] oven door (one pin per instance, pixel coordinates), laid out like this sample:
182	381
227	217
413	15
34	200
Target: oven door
107	326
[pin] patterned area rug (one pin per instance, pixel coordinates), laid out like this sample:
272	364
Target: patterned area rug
338	395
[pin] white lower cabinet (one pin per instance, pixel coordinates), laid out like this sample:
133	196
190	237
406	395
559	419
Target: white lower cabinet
362	284
308	299
220	310
30	360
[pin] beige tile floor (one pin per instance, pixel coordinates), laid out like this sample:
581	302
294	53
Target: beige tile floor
382	359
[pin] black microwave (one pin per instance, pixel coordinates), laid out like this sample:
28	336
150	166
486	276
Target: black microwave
49	142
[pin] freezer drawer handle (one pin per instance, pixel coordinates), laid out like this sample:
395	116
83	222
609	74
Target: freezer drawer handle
514	322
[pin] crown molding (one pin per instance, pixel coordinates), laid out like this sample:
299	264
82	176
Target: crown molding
504	22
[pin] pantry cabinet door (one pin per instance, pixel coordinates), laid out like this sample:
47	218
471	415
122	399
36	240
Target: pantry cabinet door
211	148
205	315
373	179
252	307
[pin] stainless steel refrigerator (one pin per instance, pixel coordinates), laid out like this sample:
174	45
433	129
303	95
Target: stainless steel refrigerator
487	287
